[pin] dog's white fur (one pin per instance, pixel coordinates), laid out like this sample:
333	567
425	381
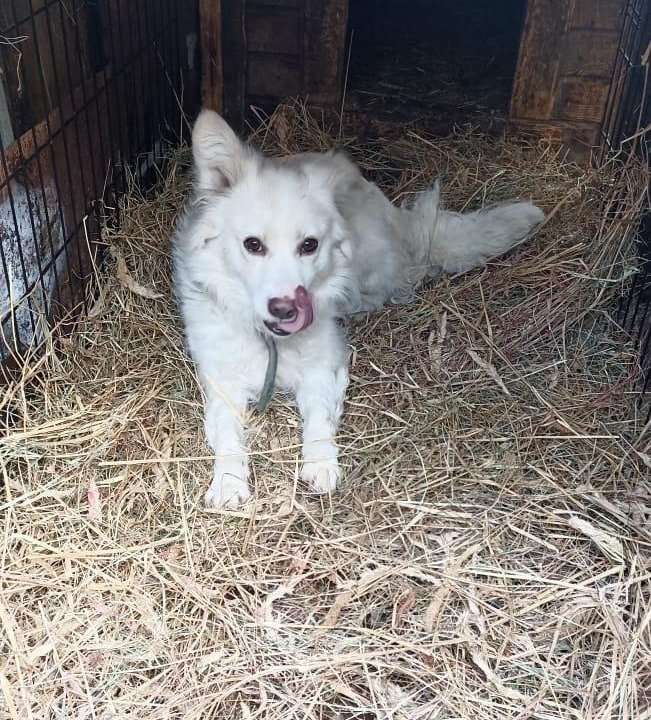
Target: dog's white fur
369	252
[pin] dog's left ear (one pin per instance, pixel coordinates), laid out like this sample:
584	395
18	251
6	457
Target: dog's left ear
220	157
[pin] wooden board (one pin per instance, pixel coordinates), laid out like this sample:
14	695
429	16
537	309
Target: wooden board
539	60
582	99
272	50
579	138
212	71
565	69
596	14
326	24
589	53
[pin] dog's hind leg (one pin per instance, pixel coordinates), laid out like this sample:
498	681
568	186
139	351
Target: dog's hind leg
457	242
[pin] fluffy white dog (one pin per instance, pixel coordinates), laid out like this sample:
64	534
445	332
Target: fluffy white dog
270	253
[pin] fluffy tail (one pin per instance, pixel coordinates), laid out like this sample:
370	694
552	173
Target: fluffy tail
456	242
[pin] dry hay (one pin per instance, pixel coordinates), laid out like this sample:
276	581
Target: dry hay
486	557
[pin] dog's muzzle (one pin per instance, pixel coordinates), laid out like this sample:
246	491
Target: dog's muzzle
291	314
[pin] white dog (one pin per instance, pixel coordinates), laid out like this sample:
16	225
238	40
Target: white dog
270	253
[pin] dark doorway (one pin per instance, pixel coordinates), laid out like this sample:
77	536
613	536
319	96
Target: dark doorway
435	63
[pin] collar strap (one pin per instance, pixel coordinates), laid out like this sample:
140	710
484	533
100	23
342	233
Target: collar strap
270	375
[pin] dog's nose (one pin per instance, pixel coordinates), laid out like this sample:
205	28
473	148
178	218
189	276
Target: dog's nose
282	308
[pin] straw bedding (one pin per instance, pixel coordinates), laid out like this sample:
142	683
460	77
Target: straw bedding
487	555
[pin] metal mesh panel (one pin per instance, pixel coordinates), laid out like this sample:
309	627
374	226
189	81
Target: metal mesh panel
90	94
628	102
626	130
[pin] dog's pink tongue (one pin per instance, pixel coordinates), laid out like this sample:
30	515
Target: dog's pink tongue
304	312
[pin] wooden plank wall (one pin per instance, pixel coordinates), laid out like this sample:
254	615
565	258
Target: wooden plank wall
269	50
565	68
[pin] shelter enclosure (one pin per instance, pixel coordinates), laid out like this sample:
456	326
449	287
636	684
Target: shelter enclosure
487	555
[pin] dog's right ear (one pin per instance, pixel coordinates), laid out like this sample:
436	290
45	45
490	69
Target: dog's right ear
220	157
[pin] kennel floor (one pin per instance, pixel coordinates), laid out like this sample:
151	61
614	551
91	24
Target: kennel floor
487	555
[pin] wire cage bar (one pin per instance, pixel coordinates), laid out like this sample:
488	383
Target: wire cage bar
625	130
91	95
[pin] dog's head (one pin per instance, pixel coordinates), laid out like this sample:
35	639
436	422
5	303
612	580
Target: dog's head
273	225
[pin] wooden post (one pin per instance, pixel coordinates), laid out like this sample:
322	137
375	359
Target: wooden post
212	76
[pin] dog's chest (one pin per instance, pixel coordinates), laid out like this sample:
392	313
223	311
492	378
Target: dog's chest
290	368
262	373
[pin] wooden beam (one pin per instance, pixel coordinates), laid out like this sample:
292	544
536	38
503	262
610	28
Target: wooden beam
212	83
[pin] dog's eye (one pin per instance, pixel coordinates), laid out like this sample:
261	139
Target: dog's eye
308	246
254	246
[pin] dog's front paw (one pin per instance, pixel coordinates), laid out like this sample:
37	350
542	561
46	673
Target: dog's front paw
229	488
321	474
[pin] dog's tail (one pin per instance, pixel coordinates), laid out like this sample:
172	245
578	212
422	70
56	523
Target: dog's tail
455	242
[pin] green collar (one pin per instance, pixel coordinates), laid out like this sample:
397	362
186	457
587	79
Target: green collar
270	376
